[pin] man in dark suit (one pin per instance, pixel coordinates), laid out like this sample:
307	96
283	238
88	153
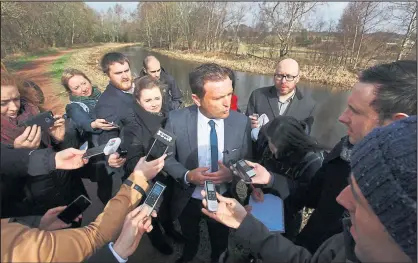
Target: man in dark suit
209	135
113	106
284	98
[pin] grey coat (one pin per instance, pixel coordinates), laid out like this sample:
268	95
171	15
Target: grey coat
183	124
273	247
264	100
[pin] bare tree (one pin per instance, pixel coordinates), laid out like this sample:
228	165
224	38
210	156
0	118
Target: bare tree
283	17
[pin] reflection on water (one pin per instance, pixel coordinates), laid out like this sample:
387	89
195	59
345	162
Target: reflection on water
326	129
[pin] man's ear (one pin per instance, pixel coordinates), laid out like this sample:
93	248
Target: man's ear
298	77
196	100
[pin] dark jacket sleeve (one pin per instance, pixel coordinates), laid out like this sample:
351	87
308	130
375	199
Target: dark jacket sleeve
271	246
133	136
251	105
302	189
81	118
21	162
176	94
111	114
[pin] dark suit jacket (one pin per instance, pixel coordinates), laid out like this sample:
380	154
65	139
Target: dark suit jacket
265	100
113	105
183	123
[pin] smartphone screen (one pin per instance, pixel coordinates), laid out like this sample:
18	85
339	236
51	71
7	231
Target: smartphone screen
77	207
157	150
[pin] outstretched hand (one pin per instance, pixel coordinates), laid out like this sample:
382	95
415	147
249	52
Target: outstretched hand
136	224
230	213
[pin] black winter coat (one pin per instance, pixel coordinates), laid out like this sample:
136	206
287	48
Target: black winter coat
139	129
323	190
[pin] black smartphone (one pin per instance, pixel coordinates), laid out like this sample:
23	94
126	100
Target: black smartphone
157	150
45	120
162	141
73	210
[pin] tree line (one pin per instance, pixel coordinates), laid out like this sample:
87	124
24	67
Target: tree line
366	31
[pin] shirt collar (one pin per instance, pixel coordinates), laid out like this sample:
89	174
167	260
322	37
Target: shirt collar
203	119
290	98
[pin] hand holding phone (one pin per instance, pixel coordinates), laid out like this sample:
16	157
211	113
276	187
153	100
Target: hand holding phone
73	210
211	200
44	119
110	147
163	139
243	170
154	196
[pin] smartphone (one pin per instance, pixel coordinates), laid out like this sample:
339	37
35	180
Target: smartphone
122	153
211	200
157	150
73	210
45	120
243	170
162	141
113	124
153	196
110	147
85	146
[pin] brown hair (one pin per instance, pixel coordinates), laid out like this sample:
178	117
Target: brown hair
111	58
146	82
68	74
26	93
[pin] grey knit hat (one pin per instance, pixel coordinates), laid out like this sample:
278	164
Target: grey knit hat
384	164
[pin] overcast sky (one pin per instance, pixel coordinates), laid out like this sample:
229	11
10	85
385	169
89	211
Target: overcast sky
329	11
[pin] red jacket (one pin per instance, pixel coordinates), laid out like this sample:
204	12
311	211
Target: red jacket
234	102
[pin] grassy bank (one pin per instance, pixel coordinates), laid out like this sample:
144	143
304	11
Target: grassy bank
335	78
18	61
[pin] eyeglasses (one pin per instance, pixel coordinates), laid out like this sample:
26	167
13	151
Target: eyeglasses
155	71
288	77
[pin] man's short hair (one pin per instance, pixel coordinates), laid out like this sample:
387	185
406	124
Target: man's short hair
204	73
395	87
147	60
112	57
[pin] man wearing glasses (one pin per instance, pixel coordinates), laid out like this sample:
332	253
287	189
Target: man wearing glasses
172	94
283	98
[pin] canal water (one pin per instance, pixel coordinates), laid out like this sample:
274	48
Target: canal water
326	129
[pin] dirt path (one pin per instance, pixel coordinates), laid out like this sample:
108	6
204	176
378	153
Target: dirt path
39	72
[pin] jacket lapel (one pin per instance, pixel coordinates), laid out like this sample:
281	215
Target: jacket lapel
229	136
192	132
294	104
274	101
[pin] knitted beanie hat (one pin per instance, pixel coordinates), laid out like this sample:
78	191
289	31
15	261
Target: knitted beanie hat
384	164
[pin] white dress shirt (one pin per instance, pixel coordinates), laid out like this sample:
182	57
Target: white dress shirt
119	258
203	147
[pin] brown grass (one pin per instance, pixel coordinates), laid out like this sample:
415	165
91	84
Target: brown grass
336	78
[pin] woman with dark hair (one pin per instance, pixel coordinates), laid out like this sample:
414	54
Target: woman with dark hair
139	128
36	193
294	157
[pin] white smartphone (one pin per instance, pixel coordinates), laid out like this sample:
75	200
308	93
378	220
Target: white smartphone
211	200
153	196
